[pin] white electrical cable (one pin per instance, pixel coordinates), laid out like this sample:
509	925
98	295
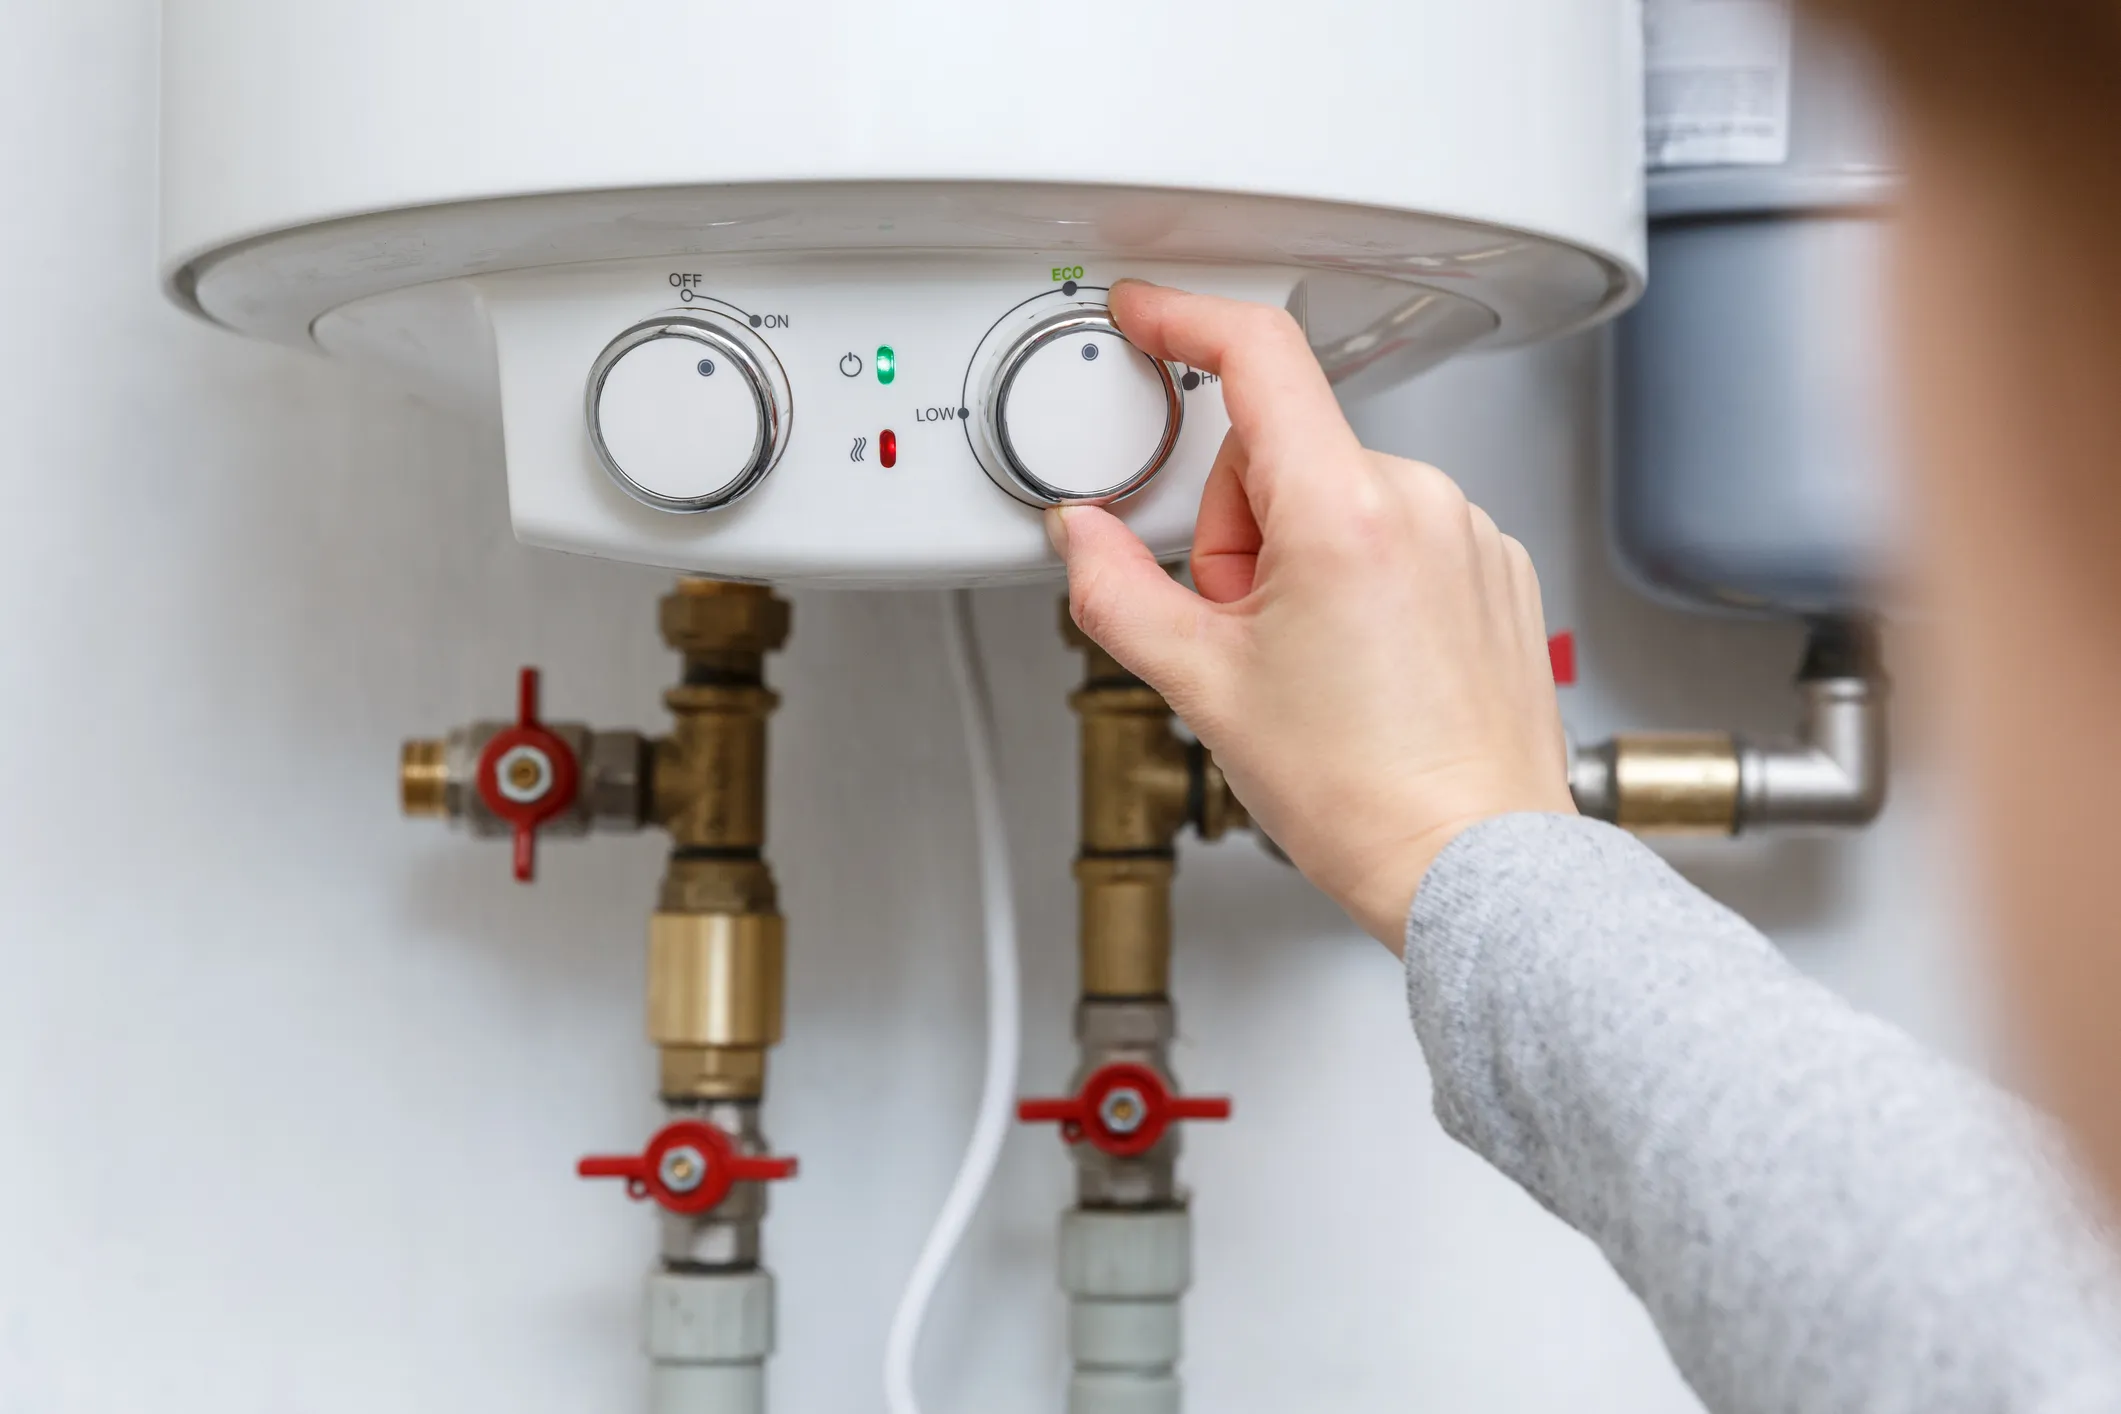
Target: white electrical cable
998	1090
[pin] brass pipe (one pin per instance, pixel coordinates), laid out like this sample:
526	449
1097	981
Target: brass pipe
1219	811
714	1001
1676	783
423	779
1125	924
1134	788
1141	785
710	772
715	943
1135	776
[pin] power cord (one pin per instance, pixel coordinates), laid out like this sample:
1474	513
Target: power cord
1004	1042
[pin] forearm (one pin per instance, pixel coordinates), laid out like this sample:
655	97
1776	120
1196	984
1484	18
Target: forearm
1818	1213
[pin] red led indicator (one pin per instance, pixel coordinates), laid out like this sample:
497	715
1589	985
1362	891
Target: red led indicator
887	448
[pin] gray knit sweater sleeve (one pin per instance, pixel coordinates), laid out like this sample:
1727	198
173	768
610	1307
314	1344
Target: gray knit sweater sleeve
1819	1214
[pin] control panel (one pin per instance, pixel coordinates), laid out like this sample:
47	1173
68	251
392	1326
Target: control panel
860	420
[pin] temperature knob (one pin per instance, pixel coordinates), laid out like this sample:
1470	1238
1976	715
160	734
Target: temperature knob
1073	412
687	412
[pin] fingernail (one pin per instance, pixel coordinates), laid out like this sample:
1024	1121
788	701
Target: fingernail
1129	280
1057	529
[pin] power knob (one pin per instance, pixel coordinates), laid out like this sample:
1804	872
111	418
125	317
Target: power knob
687	412
1072	412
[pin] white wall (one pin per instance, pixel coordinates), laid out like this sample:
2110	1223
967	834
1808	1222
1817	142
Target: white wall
290	1090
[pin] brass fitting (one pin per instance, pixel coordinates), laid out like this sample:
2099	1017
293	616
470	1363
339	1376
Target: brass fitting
423	779
723	627
714	1001
1125	924
1141	785
1135	776
1833	772
1220	810
710	772
1676	783
715	944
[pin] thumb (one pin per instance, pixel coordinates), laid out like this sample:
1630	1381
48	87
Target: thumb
1125	601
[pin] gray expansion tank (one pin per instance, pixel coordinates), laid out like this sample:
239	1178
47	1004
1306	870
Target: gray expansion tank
1752	469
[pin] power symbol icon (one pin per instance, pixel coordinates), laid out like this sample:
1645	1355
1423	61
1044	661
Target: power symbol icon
851	365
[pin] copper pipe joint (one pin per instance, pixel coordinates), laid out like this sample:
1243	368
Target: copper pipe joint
715	999
1136	782
710	772
716	885
1218	810
724	629
1125	924
1676	783
715	948
423	779
711	1073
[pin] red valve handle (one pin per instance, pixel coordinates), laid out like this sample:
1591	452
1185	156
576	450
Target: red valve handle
549	779
1096	1112
1561	653
688	1167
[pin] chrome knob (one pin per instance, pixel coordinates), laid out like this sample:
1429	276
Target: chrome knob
1072	412
687	412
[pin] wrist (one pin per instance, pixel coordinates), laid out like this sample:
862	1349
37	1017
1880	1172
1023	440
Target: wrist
1382	902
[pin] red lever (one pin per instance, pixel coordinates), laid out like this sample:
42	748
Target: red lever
1122	1109
1561	652
688	1167
527	775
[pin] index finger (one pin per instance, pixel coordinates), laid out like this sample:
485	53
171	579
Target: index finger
1280	405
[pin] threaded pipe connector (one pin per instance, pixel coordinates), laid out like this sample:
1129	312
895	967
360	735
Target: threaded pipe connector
423	779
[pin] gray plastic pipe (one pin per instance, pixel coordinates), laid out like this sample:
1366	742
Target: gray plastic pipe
708	1338
1124	1271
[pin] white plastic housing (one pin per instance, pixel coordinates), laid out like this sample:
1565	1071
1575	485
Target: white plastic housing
485	194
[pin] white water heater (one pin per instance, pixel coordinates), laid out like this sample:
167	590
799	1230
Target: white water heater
817	291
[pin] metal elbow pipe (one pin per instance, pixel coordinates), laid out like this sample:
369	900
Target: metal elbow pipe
1833	773
1715	783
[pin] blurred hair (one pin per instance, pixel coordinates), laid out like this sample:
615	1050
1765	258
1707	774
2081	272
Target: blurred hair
1994	56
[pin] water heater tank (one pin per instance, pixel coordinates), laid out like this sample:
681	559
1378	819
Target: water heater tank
817	292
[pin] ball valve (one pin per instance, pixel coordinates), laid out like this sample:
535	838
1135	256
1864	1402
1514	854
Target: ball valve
689	1167
1123	1110
527	775
1561	655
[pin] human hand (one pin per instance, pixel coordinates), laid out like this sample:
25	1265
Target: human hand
1365	654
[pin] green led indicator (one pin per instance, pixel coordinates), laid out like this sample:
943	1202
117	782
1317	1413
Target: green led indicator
886	364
